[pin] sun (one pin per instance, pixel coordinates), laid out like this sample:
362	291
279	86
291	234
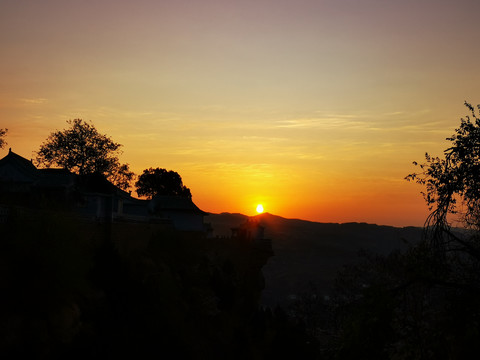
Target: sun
259	208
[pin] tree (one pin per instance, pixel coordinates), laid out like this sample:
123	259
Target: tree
161	182
422	303
453	194
82	150
453	186
3	132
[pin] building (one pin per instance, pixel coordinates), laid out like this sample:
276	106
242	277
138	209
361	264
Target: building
181	211
91	197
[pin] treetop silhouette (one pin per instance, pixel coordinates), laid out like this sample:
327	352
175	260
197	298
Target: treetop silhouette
159	181
453	183
81	149
3	132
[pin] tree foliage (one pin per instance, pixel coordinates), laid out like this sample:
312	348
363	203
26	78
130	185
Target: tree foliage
453	184
422	303
3	132
161	182
81	149
402	307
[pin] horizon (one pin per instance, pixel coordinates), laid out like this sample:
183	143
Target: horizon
259	214
314	109
312	221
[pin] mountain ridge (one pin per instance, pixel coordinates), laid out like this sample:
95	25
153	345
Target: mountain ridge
311	253
226	213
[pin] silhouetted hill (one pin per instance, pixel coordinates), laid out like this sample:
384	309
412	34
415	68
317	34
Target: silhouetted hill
312	253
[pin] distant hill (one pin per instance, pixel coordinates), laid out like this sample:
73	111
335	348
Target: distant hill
312	253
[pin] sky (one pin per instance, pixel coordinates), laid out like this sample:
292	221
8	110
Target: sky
315	109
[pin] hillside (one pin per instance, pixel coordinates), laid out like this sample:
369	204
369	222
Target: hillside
74	289
312	253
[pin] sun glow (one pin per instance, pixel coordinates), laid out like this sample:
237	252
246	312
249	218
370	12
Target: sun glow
259	208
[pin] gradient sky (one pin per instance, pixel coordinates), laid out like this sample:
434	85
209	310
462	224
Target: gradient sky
314	108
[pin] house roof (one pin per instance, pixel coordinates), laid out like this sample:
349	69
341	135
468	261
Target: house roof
14	167
97	183
17	159
54	178
175	203
17	168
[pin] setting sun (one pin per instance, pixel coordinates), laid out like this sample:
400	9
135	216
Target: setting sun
259	134
259	208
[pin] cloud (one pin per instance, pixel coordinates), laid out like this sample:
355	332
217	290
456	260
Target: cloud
34	101
386	122
322	123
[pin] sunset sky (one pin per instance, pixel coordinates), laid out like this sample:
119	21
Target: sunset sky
313	108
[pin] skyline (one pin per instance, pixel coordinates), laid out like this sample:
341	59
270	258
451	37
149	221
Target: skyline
315	109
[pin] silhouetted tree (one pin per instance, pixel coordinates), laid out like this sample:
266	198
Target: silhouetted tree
422	303
81	149
161	182
2	135
453	187
400	307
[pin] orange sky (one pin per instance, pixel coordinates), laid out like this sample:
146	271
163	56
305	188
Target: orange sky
314	108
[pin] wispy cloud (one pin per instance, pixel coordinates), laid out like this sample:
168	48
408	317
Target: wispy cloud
34	101
322	123
395	121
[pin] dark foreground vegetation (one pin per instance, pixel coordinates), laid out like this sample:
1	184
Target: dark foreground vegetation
423	303
75	289
309	253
